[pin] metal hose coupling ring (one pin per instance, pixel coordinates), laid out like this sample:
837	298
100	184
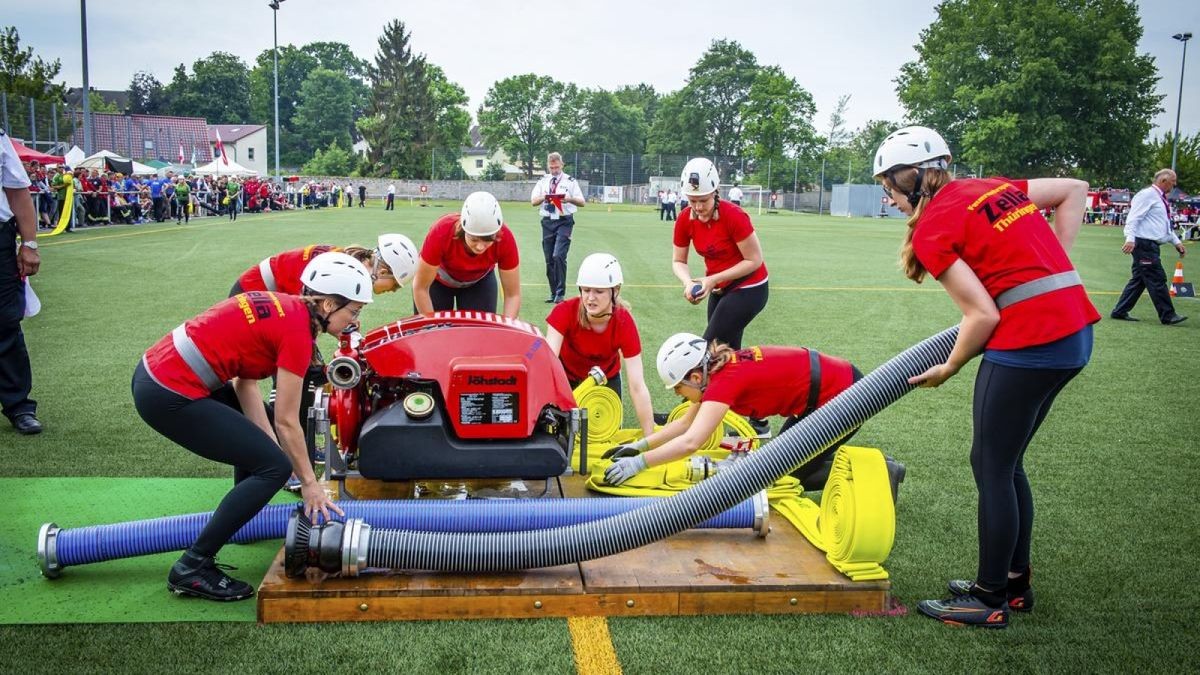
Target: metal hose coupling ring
344	372
331	547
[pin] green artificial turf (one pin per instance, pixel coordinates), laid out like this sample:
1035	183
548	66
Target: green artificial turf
1113	469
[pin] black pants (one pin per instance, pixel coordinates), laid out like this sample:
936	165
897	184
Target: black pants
729	313
480	296
1009	406
362	197
391	203
1148	274
16	377
814	473
217	430
556	242
671	212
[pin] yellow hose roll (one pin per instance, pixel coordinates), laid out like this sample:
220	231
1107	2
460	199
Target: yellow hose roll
735	423
604	410
856	522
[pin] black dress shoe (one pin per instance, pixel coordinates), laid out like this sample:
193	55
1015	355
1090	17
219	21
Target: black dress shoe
557	299
27	423
1123	317
1174	319
550	300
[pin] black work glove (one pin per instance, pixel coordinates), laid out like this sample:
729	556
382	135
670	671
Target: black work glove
619	451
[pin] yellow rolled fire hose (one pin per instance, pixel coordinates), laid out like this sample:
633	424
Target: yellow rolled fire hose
855	524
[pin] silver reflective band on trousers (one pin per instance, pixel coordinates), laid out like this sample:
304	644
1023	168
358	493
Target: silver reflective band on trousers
194	359
264	268
1032	289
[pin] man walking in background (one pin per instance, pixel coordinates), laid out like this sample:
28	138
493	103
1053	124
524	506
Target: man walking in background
391	198
362	195
557	197
1147	227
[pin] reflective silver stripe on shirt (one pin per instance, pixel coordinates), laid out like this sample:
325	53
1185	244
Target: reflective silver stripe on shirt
1032	289
264	268
194	359
445	278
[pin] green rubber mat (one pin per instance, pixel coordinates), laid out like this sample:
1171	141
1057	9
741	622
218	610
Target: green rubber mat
119	591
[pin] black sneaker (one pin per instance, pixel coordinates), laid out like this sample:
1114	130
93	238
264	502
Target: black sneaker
206	580
1017	602
965	610
660	419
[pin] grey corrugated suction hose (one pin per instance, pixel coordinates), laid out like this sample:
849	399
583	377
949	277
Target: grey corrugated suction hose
362	547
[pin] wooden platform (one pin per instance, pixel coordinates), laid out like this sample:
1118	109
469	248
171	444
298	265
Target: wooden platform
692	573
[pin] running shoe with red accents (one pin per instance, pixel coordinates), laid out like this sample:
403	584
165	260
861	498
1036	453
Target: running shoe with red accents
1017	602
965	610
206	578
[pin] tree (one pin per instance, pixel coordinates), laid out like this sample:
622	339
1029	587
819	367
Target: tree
778	116
295	64
677	128
607	125
147	96
325	113
334	161
644	98
518	115
98	105
218	90
452	121
1029	96
718	86
493	171
862	146
1187	162
23	74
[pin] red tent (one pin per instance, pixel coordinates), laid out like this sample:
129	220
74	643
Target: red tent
29	155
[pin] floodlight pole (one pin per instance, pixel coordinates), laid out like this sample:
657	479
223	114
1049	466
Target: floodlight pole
87	103
274	5
1182	37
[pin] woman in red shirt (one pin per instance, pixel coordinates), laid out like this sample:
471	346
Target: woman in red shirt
752	382
198	386
597	330
391	263
735	276
1024	307
458	256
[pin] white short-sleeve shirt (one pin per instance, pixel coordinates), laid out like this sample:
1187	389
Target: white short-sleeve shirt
560	184
12	174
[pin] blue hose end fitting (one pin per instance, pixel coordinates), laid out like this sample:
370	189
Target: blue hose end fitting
47	551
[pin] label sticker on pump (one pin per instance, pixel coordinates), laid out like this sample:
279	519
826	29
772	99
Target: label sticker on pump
500	407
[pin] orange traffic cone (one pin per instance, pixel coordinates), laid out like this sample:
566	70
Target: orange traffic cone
1178	280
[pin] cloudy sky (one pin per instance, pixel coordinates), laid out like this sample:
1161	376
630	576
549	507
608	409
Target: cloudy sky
832	48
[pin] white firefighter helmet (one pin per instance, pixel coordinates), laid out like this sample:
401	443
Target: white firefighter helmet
336	273
481	216
681	353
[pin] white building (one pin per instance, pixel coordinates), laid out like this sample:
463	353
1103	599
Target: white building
245	144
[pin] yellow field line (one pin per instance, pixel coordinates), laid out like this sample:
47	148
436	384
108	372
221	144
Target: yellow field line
592	643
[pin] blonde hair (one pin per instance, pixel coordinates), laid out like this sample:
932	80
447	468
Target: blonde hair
903	181
1163	173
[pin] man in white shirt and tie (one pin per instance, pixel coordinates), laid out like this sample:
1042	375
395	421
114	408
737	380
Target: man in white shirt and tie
557	197
1147	227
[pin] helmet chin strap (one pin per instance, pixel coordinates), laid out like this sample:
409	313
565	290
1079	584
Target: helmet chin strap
914	197
323	319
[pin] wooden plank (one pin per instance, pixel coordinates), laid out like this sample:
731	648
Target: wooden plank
692	573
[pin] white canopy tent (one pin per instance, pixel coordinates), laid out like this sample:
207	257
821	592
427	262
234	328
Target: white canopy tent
96	161
220	168
74	156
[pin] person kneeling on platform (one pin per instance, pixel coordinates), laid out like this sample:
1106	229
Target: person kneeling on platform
753	382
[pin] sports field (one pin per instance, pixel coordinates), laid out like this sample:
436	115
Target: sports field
1115	542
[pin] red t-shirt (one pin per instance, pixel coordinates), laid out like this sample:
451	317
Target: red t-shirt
441	249
583	347
250	335
716	241
287	268
763	381
992	226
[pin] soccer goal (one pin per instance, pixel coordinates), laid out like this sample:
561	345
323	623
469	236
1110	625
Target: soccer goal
753	196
